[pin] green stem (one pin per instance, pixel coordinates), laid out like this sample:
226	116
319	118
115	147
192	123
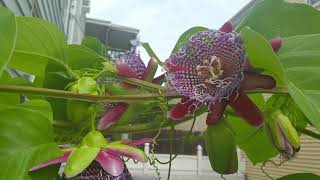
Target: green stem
102	99
74	96
309	133
171	151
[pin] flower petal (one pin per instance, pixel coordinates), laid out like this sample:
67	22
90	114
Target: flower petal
227	27
244	107
110	163
216	111
128	151
125	70
58	160
276	43
151	70
79	160
254	81
112	115
183	109
159	80
139	142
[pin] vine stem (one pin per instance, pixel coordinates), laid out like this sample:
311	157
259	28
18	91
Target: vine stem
102	99
309	133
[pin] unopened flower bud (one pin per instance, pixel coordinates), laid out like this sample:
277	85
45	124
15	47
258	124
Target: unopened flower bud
283	135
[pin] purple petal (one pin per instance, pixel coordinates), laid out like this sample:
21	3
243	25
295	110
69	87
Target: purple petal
112	115
139	142
132	59
128	151
110	163
58	160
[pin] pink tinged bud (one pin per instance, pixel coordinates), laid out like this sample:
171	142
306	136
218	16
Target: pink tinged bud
110	163
227	27
159	80
112	115
58	160
128	151
216	111
151	70
245	108
139	142
254	81
181	110
276	43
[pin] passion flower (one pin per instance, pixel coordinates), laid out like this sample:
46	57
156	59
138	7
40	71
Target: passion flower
95	149
212	69
129	65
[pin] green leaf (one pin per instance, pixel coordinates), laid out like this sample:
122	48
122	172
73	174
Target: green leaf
49	172
26	138
8	98
151	53
221	148
289	108
38	42
79	160
95	45
299	176
80	57
185	36
300	56
8	34
261	55
273	18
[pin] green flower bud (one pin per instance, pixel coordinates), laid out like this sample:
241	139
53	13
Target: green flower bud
282	134
94	139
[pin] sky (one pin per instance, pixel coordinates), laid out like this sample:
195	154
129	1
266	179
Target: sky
161	22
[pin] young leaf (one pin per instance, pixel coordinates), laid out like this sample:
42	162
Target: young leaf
26	138
261	55
95	45
273	18
151	53
300	57
8	34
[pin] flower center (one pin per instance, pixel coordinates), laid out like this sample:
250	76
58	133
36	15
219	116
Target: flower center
210	70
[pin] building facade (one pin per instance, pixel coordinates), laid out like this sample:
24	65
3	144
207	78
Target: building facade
68	15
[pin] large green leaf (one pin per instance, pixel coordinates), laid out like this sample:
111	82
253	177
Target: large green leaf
185	36
300	56
273	18
261	55
299	176
38	42
7	36
26	138
8	98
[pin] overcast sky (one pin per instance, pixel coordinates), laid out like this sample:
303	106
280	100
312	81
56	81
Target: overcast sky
161	22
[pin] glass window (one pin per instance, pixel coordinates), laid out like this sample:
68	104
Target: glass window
312	2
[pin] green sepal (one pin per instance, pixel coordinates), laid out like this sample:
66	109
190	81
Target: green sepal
94	139
221	148
133	152
79	160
